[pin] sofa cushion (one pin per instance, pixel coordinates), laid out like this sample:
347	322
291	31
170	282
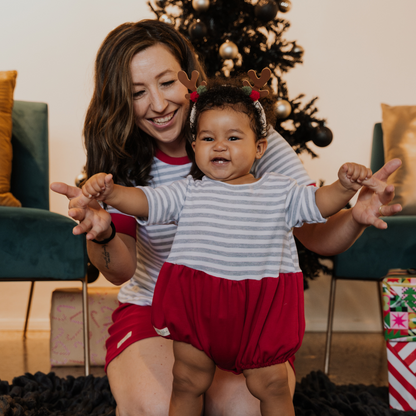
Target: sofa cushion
399	140
7	84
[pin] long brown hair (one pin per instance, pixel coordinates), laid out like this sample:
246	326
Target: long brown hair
113	142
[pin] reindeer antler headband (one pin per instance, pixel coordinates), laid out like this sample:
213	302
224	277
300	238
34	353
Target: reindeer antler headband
254	92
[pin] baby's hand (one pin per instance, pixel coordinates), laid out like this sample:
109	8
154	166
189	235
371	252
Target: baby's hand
99	186
353	176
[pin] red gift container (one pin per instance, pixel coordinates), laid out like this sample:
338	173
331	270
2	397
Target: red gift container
399	296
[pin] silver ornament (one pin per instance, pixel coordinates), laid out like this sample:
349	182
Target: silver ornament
284	5
167	19
228	50
200	5
298	50
282	109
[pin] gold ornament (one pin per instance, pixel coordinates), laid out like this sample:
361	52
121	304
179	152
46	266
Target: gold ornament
200	5
284	5
282	109
228	50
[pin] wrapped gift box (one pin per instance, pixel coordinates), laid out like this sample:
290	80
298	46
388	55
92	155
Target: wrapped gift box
399	293
67	345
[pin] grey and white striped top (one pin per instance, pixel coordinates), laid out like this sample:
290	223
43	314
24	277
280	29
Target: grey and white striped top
154	242
235	232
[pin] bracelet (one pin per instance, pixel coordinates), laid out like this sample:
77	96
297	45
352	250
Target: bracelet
107	240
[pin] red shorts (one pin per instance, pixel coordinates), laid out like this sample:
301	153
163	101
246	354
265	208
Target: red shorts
238	324
132	323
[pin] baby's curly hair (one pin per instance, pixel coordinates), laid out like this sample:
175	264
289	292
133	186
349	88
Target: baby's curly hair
227	94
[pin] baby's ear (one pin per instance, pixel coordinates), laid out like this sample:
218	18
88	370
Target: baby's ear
193	145
261	146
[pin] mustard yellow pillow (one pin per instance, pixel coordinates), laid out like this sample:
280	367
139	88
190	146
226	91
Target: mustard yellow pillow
7	84
399	139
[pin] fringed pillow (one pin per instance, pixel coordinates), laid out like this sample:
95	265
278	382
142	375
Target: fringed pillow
7	84
399	140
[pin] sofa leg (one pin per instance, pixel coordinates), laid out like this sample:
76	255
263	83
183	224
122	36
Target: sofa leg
329	324
29	304
380	300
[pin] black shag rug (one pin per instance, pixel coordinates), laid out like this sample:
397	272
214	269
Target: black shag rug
46	395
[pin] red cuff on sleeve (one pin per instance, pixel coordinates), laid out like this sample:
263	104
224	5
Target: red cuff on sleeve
124	224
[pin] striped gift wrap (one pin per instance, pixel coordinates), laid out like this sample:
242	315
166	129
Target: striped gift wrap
399	300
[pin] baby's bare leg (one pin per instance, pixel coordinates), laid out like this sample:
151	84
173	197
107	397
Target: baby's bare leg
270	386
193	373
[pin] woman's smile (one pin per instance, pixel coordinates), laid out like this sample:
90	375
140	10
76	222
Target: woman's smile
164	120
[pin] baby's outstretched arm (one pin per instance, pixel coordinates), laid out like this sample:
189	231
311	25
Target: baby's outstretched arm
332	198
129	200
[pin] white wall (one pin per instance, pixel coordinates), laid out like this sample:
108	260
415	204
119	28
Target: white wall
357	55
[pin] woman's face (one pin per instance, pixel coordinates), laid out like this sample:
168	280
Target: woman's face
160	106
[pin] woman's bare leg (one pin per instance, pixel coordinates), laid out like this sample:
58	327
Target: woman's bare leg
270	386
193	373
229	396
141	378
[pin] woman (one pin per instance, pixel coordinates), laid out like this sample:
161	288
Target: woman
136	128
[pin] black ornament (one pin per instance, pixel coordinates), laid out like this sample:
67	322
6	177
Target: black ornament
212	27
160	3
197	30
284	5
322	136
266	10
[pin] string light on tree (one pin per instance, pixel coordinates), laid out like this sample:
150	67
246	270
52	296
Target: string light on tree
322	136
167	19
282	109
266	10
284	5
200	5
197	30
228	50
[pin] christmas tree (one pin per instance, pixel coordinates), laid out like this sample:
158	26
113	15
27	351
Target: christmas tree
233	36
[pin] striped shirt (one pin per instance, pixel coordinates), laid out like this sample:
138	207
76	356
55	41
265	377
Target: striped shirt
235	232
154	242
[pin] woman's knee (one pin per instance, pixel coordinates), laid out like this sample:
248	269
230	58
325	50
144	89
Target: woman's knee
142	408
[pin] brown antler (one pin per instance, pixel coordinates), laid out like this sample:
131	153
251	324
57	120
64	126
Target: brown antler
259	82
189	83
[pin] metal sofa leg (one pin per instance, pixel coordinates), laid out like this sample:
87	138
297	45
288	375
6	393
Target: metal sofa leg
86	326
29	304
380	300
329	324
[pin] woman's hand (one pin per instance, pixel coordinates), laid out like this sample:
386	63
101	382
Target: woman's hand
94	220
375	195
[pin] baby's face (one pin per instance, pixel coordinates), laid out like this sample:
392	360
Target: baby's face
225	145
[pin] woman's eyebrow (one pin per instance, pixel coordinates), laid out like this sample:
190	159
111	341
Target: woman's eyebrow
166	71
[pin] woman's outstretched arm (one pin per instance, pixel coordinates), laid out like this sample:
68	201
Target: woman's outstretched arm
342	229
116	260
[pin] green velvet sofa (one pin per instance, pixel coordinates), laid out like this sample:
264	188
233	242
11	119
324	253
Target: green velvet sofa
36	244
